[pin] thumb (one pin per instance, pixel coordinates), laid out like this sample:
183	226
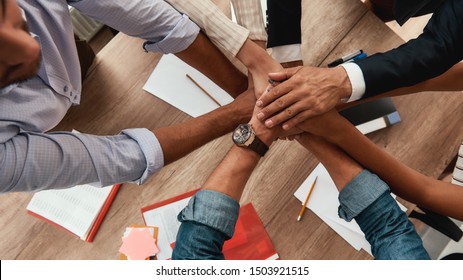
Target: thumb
284	74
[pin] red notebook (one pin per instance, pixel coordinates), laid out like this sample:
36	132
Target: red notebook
250	241
79	210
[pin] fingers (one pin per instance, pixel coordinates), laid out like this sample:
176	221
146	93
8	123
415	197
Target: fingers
275	91
280	112
17	73
281	86
298	119
284	74
295	105
292	122
278	77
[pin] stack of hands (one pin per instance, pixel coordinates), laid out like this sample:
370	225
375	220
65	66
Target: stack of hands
298	102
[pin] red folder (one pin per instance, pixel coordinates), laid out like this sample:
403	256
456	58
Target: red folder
250	241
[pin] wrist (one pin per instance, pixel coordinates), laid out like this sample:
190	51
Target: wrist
236	112
356	80
265	135
254	57
247	52
337	133
344	84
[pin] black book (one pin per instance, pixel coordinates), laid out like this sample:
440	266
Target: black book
372	115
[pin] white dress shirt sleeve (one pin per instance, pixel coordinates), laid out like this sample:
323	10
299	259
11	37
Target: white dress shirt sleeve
356	79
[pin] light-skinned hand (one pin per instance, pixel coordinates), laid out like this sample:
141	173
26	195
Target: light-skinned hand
302	93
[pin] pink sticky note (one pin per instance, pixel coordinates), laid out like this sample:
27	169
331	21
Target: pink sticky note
139	244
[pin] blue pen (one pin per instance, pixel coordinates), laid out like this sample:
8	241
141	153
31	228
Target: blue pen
360	56
344	58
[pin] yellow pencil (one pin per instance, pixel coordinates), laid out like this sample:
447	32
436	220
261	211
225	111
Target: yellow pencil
306	200
205	91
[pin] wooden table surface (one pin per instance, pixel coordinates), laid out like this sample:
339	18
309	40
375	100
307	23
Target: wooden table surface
113	99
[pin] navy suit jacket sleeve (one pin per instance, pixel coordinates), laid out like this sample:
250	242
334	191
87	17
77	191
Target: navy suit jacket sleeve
436	50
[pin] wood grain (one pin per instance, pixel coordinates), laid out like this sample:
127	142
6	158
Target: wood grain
324	24
113	99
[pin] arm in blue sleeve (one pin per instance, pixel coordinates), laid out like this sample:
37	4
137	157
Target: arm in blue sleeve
386	227
36	161
164	28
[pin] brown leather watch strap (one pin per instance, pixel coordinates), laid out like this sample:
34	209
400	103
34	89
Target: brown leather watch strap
258	146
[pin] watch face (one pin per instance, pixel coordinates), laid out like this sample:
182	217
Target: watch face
242	134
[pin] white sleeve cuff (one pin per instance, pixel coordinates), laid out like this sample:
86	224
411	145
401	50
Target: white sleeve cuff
357	81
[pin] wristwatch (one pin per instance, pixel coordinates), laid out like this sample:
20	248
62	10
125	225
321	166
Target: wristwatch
244	136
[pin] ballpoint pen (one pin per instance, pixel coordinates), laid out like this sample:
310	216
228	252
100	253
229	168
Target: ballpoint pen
358	57
344	58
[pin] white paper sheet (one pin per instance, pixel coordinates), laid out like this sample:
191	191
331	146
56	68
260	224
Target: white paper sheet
170	83
165	218
324	203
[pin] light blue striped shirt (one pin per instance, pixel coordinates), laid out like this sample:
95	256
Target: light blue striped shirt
31	159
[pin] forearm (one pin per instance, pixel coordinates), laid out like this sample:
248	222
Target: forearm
210	217
451	80
340	166
210	61
255	58
36	161
409	184
225	34
163	28
233	172
249	15
207	222
180	139
259	63
387	228
435	51
231	175
366	198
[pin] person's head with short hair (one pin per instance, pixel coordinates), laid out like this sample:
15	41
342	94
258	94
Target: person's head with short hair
19	52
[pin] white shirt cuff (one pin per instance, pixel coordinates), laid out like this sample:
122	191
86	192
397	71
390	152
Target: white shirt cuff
357	80
287	53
